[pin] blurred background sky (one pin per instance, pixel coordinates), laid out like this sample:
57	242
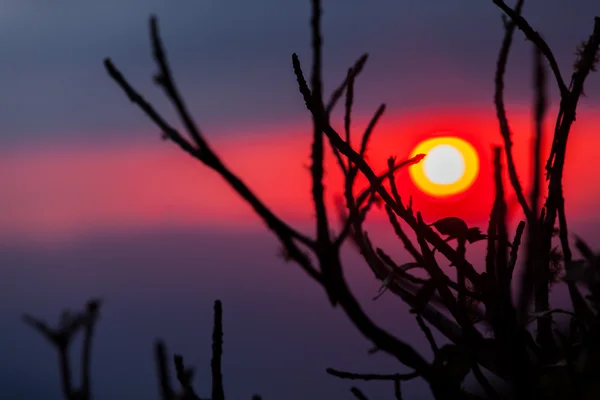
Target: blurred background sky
93	203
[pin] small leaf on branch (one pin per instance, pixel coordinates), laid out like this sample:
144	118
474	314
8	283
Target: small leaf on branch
451	226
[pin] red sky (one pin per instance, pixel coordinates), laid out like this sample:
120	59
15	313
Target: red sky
58	191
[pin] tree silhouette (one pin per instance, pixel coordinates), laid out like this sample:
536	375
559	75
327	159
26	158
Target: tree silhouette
555	364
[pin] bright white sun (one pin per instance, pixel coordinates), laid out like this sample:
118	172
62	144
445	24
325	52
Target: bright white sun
444	164
451	165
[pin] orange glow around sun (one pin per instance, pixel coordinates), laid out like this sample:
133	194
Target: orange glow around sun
450	167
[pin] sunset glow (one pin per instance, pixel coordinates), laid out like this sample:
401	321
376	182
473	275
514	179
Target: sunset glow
450	167
59	192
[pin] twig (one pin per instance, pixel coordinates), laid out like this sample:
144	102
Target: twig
61	338
329	268
337	93
534	37
428	334
92	309
164	381
353	72
368	193
408	244
544	325
397	390
555	200
217	352
371	377
362	165
541	107
501	112
514	249
358	394
349	103
184	376
501	249
508	332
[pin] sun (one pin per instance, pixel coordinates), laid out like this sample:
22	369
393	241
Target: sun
450	167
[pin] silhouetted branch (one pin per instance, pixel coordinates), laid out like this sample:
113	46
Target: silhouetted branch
428	334
500	211
160	355
535	38
184	376
501	111
357	212
554	205
371	377
541	106
61	338
337	93
362	165
348	109
217	352
203	153
408	244
514	248
397	390
544	328
510	340
358	394
353	72
509	333
92	308
323	242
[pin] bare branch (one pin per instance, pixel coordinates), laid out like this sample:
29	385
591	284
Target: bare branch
323	242
217	353
92	314
514	249
397	390
358	394
536	39
428	334
369	193
353	72
501	112
354	157
337	93
164	380
371	377
349	103
285	233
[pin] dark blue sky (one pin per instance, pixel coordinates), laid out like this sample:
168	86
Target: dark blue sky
233	58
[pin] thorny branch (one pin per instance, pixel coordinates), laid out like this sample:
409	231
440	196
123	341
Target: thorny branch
201	151
508	353
335	283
